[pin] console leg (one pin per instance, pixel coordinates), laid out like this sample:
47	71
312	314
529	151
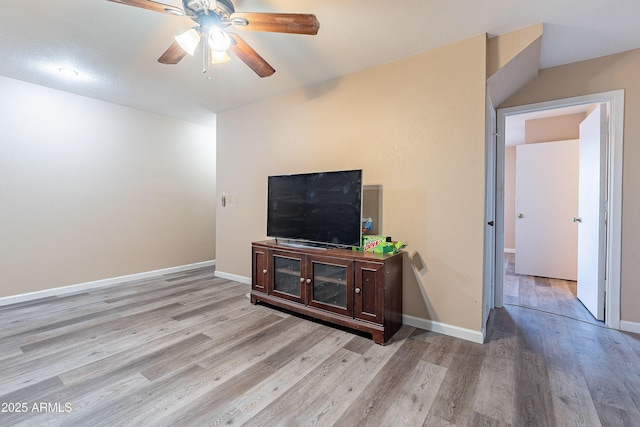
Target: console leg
378	337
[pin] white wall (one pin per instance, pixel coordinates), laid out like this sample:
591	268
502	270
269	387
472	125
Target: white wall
92	190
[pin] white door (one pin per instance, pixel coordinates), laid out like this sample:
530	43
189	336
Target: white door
592	207
546	202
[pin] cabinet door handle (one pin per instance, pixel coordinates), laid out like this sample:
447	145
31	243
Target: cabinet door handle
264	271
308	280
357	290
301	279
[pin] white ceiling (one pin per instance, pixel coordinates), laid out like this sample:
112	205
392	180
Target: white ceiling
114	47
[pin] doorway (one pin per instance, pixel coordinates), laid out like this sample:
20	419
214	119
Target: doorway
612	178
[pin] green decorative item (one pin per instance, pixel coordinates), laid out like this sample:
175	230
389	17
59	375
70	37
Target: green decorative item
380	244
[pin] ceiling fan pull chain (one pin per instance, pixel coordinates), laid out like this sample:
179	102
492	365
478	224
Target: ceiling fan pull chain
204	58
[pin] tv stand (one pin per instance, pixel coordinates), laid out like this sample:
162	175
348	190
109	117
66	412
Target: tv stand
357	290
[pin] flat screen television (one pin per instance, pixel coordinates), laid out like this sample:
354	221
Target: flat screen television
321	207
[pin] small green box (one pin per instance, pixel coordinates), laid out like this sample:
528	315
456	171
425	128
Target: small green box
378	244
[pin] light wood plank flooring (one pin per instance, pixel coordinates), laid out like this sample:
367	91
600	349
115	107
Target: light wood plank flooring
554	296
189	349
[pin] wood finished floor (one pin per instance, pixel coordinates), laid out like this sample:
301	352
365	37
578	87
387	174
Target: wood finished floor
554	296
189	349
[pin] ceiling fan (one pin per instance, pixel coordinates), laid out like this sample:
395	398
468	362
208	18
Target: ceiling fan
214	18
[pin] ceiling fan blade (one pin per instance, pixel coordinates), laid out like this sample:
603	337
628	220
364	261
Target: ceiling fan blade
151	5
250	57
172	55
293	23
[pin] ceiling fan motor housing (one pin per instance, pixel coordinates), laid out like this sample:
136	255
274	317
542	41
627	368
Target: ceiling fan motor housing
203	7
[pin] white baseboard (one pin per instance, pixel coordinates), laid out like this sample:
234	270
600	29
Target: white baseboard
443	328
234	277
430	325
627	326
509	251
13	299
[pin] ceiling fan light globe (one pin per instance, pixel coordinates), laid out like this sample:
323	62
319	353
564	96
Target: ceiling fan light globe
219	40
188	41
218	57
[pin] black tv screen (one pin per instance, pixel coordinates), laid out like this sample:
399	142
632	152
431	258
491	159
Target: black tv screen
322	207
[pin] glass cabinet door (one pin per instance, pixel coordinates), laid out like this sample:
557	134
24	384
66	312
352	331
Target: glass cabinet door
331	286
287	277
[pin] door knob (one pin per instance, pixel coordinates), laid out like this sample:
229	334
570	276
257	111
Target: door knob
577	219
357	290
520	215
308	280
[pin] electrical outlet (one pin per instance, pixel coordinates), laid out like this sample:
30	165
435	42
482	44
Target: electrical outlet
230	198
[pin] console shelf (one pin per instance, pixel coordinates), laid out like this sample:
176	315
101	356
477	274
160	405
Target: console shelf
357	290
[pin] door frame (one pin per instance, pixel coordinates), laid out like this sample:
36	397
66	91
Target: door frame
615	101
489	258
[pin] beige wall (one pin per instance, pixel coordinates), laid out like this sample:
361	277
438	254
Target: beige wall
612	72
558	128
92	190
510	198
416	127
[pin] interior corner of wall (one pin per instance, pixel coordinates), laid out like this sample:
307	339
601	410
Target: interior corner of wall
502	49
513	75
